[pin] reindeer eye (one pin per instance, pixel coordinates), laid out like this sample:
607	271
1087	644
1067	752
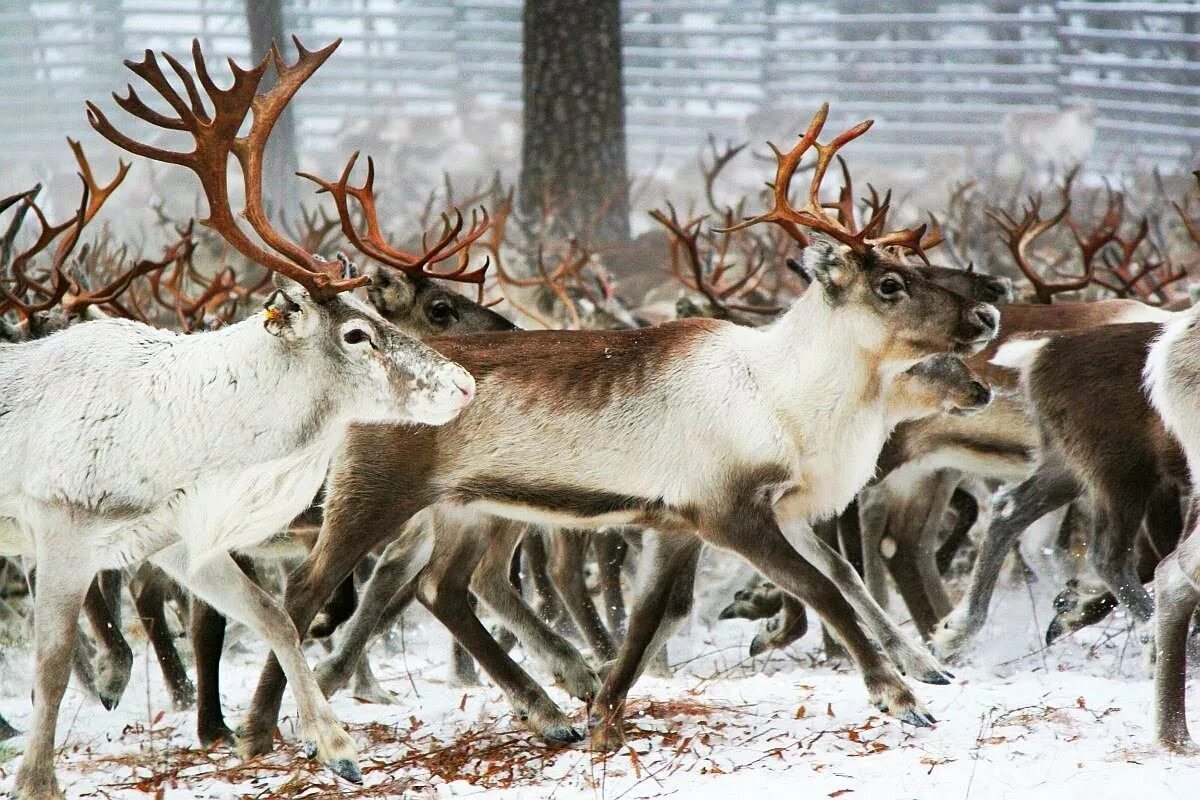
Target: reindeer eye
890	287
355	336
441	312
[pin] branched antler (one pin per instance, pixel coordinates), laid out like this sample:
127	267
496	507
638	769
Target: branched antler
685	242
1021	234
812	214
373	244
92	197
216	138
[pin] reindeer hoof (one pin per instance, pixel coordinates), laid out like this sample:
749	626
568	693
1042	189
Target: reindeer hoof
562	734
606	738
936	678
255	743
216	735
918	718
346	769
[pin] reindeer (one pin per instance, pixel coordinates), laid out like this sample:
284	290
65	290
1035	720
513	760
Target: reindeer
281	387
572	428
44	308
1125	458
998	444
1170	379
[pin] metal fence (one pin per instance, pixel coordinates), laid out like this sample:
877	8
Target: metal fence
939	76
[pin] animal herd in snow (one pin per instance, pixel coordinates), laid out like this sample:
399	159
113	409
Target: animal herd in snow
832	418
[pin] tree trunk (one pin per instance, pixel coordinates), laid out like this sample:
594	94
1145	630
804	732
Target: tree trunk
280	161
573	149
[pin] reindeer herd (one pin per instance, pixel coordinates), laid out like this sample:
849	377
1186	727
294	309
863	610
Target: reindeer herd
832	419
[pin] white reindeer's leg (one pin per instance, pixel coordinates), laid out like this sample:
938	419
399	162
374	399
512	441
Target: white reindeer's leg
222	584
58	598
912	659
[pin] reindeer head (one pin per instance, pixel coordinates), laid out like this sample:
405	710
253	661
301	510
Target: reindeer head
420	307
892	308
902	314
942	383
380	374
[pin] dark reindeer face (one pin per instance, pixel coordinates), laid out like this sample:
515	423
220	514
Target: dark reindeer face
420	307
976	285
911	316
951	385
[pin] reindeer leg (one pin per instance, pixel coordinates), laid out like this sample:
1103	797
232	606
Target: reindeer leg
1119	519
537	567
1049	488
568	551
912	659
915	533
221	583
207	630
383	600
753	533
611	549
115	664
367	509
62	584
149	593
1176	598
492	586
663	597
443	588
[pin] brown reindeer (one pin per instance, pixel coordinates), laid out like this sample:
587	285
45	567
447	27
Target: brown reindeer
1124	457
583	429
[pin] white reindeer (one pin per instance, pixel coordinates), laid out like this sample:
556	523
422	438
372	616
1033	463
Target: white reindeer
182	448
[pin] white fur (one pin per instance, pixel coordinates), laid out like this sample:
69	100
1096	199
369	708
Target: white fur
1019	354
123	442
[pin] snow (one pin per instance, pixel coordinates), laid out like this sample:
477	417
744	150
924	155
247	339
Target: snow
1070	721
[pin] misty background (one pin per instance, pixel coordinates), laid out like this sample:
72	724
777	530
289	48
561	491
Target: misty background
957	89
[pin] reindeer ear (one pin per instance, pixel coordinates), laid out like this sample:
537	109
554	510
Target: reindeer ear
391	292
289	312
830	264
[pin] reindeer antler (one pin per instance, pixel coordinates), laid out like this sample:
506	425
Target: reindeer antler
92	197
684	238
812	213
1021	234
373	244
216	138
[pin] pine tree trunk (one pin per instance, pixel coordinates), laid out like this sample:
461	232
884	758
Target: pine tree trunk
573	151
280	162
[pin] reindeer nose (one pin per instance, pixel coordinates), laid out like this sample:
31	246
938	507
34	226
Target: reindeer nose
1000	289
985	317
982	392
464	382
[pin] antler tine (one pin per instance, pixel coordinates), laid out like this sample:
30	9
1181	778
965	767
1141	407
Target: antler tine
719	162
781	212
98	194
216	138
684	236
1192	226
845	201
373	244
249	150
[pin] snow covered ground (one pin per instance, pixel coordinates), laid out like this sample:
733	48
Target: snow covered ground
1071	721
